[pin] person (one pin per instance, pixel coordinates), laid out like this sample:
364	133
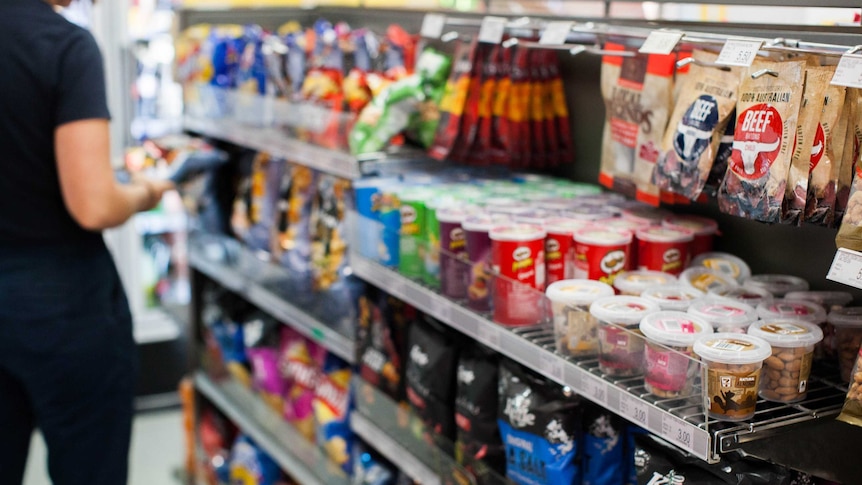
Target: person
67	355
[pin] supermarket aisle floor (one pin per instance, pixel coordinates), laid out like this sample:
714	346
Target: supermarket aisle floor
157	451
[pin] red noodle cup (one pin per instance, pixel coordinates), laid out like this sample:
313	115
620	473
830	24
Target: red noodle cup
632	226
670	370
518	257
476	229
704	230
663	249
601	254
560	248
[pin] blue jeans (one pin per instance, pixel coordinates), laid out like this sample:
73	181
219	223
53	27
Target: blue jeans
68	363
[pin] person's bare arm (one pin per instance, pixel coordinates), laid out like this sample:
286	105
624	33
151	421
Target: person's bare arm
92	195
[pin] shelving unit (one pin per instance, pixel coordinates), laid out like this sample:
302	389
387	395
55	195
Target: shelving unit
300	459
384	443
248	277
680	421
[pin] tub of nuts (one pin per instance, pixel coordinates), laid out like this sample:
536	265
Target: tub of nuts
848	337
621	345
732	373
724	263
748	296
670	368
633	283
575	329
785	373
705	279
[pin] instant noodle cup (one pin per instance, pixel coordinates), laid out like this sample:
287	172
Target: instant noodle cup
600	254
724	263
777	284
560	248
748	296
480	278
621	345
675	297
785	374
575	329
663	249
454	270
848	337
725	316
633	283
706	280
704	230
733	365
645	214
518	260
670	369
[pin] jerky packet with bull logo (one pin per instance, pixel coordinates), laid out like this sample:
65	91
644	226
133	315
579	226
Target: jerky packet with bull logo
637	92
690	143
808	144
823	179
850	156
766	115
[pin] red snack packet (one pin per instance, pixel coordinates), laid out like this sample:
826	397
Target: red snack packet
453	102
482	146
462	151
538	154
557	100
500	122
519	106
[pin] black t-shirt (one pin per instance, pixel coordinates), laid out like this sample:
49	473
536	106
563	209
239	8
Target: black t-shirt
50	73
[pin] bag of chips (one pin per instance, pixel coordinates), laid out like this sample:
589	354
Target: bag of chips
454	101
383	321
300	361
692	138
477	436
603	444
766	114
637	91
332	405
540	427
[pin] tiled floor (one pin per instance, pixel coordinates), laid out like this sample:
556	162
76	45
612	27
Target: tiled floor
157	451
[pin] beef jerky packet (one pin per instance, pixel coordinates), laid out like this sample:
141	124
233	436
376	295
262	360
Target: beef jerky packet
823	179
540	427
850	155
808	145
637	92
454	100
766	115
719	165
692	138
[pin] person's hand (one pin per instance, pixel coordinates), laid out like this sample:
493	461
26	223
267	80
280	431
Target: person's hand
155	188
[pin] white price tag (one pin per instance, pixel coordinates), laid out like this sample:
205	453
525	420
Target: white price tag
738	52
660	42
432	25
849	71
556	32
551	366
634	409
677	432
442	309
397	288
596	389
489	335
492	29
846	268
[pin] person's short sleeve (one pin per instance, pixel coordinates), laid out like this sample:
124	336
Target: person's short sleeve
80	87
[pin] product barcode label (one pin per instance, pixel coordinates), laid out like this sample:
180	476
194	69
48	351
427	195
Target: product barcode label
738	52
556	32
432	25
846	268
492	30
660	42
727	345
848	73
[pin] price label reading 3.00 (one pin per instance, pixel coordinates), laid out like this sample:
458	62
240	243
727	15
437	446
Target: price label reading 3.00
677	432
